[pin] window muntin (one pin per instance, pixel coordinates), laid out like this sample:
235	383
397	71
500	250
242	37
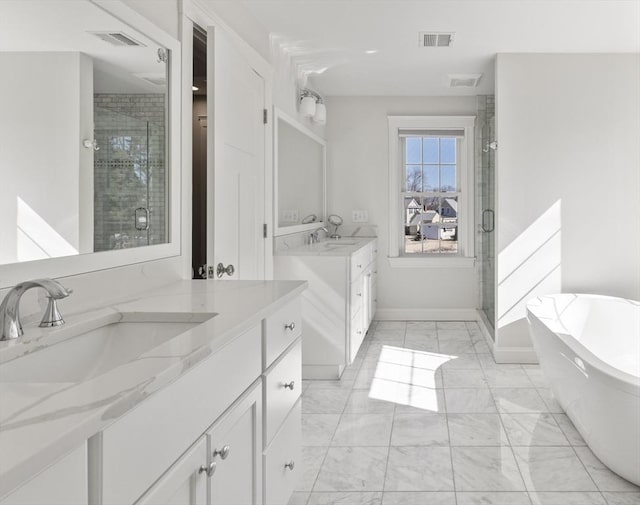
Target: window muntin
431	193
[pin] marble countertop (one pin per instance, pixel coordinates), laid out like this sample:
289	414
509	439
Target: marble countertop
41	422
330	247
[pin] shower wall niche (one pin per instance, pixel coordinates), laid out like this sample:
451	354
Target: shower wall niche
130	176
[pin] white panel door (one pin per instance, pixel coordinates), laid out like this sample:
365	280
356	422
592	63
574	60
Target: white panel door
237	141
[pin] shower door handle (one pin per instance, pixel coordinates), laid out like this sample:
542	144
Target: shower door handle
489	212
142	219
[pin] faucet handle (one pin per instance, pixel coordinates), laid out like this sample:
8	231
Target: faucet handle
52	316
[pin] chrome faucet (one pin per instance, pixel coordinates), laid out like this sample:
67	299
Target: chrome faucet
10	313
313	237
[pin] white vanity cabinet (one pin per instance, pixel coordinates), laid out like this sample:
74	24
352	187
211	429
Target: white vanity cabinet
204	438
339	304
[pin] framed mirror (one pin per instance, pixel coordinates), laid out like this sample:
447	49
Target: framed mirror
300	176
90	176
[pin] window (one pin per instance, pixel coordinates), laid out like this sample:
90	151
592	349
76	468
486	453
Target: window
431	190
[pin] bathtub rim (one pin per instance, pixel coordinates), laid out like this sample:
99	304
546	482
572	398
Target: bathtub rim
534	306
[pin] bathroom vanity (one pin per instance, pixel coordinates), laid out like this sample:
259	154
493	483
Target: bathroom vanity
340	303
206	411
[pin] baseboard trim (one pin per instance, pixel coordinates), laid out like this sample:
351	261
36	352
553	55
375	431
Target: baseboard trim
522	355
321	372
426	315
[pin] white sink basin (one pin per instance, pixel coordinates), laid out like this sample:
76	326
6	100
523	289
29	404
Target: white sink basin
339	243
93	349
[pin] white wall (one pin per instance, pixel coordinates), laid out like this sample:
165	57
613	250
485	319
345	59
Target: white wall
163	13
41	128
568	180
357	175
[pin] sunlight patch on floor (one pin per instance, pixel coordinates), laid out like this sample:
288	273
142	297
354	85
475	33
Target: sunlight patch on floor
408	377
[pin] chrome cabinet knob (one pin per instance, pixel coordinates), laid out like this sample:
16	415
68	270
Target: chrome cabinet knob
291	326
359	266
290	465
290	385
359	332
223	453
359	294
209	469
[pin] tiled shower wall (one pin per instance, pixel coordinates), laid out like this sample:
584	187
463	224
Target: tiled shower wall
485	198
129	169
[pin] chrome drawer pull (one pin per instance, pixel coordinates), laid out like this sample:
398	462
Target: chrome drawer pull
223	453
290	385
359	294
290	465
209	470
359	266
291	326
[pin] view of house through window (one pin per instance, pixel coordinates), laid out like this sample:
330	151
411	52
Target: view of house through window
431	193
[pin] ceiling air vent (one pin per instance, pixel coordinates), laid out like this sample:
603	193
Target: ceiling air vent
434	39
463	80
119	39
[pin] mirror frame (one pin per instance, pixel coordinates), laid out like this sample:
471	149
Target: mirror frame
11	274
278	115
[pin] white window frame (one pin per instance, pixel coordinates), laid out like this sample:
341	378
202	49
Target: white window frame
466	205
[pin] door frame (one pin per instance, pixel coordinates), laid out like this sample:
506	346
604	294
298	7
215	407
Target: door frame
197	12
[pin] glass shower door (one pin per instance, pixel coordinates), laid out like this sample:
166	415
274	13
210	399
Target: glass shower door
487	218
129	182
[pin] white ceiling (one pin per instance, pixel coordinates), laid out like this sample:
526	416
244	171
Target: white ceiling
66	25
328	38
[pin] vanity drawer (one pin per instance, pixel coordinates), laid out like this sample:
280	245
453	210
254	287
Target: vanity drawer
279	399
280	330
135	450
357	295
359	261
280	480
356	335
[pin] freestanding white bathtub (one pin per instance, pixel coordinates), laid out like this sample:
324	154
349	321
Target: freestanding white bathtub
589	350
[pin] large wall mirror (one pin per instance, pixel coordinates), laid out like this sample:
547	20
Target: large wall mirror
300	167
86	159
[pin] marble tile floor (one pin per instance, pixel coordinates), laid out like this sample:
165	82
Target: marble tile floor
424	416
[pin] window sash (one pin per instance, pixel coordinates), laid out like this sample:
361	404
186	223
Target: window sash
458	194
403	125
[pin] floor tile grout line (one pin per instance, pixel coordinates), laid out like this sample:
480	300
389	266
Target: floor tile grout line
453	472
589	473
513	454
393	422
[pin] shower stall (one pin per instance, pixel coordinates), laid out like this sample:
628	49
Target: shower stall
486	146
129	181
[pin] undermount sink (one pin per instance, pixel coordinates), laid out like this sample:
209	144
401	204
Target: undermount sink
339	243
87	351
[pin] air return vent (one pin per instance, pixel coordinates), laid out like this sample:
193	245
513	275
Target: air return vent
119	39
463	80
435	39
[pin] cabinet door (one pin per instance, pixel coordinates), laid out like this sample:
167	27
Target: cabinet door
63	482
184	483
235	445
